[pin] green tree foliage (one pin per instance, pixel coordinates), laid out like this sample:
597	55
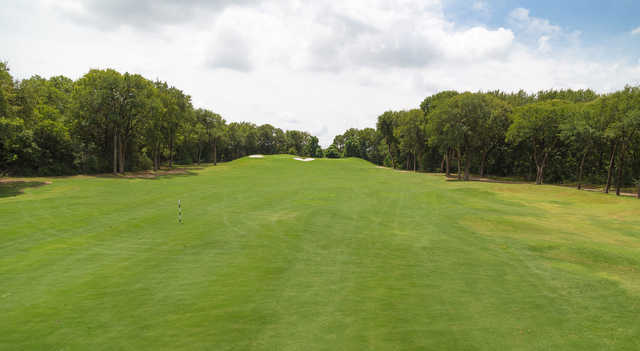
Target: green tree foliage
580	132
551	136
364	143
387	122
120	122
332	152
410	134
469	124
431	103
311	147
296	141
352	147
539	125
6	91
625	126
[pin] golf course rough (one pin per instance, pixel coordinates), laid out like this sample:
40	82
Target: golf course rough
276	254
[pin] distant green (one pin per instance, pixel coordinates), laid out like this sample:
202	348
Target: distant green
277	254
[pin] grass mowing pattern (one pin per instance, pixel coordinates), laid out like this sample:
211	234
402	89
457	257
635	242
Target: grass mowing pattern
276	254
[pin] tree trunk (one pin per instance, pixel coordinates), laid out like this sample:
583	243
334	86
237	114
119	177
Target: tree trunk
123	146
171	151
482	163
393	162
199	152
442	163
156	156
610	170
459	166
584	155
544	164
215	152
537	162
155	159
115	152
467	167
619	171
447	163
415	156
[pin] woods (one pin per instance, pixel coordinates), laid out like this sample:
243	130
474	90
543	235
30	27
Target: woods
107	121
553	136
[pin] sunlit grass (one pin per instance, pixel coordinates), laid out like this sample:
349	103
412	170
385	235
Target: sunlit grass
276	254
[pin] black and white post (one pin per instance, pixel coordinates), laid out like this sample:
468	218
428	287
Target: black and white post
179	212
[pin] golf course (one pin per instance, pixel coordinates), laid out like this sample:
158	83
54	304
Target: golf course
333	254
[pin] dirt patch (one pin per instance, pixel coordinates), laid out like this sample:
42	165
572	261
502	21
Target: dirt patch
452	177
150	174
397	170
610	192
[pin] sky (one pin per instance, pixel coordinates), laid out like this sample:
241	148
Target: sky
324	66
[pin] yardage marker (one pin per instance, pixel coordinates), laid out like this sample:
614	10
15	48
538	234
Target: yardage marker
179	212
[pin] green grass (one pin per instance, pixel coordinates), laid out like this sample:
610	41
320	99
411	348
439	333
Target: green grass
276	254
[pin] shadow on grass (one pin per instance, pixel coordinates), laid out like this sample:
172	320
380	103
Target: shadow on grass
15	188
162	173
454	178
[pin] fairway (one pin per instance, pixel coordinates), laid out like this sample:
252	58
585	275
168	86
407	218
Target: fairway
277	254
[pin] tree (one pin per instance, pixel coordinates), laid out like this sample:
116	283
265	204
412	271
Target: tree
312	146
295	141
134	99
369	140
411	133
95	106
580	130
332	152
338	142
6	91
607	114
268	142
155	127
214	127
108	120
539	124
176	107
492	128
428	106
386	126
467	123
625	127
431	103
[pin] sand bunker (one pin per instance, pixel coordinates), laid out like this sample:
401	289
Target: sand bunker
256	156
304	159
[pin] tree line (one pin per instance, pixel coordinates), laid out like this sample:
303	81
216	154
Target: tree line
554	136
107	121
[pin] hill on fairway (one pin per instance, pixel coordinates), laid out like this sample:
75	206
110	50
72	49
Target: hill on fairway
277	254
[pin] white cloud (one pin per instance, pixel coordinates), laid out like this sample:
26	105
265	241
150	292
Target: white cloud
141	14
521	19
636	31
543	44
230	50
323	66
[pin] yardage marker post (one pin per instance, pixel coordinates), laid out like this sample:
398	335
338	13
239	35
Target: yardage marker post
179	212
